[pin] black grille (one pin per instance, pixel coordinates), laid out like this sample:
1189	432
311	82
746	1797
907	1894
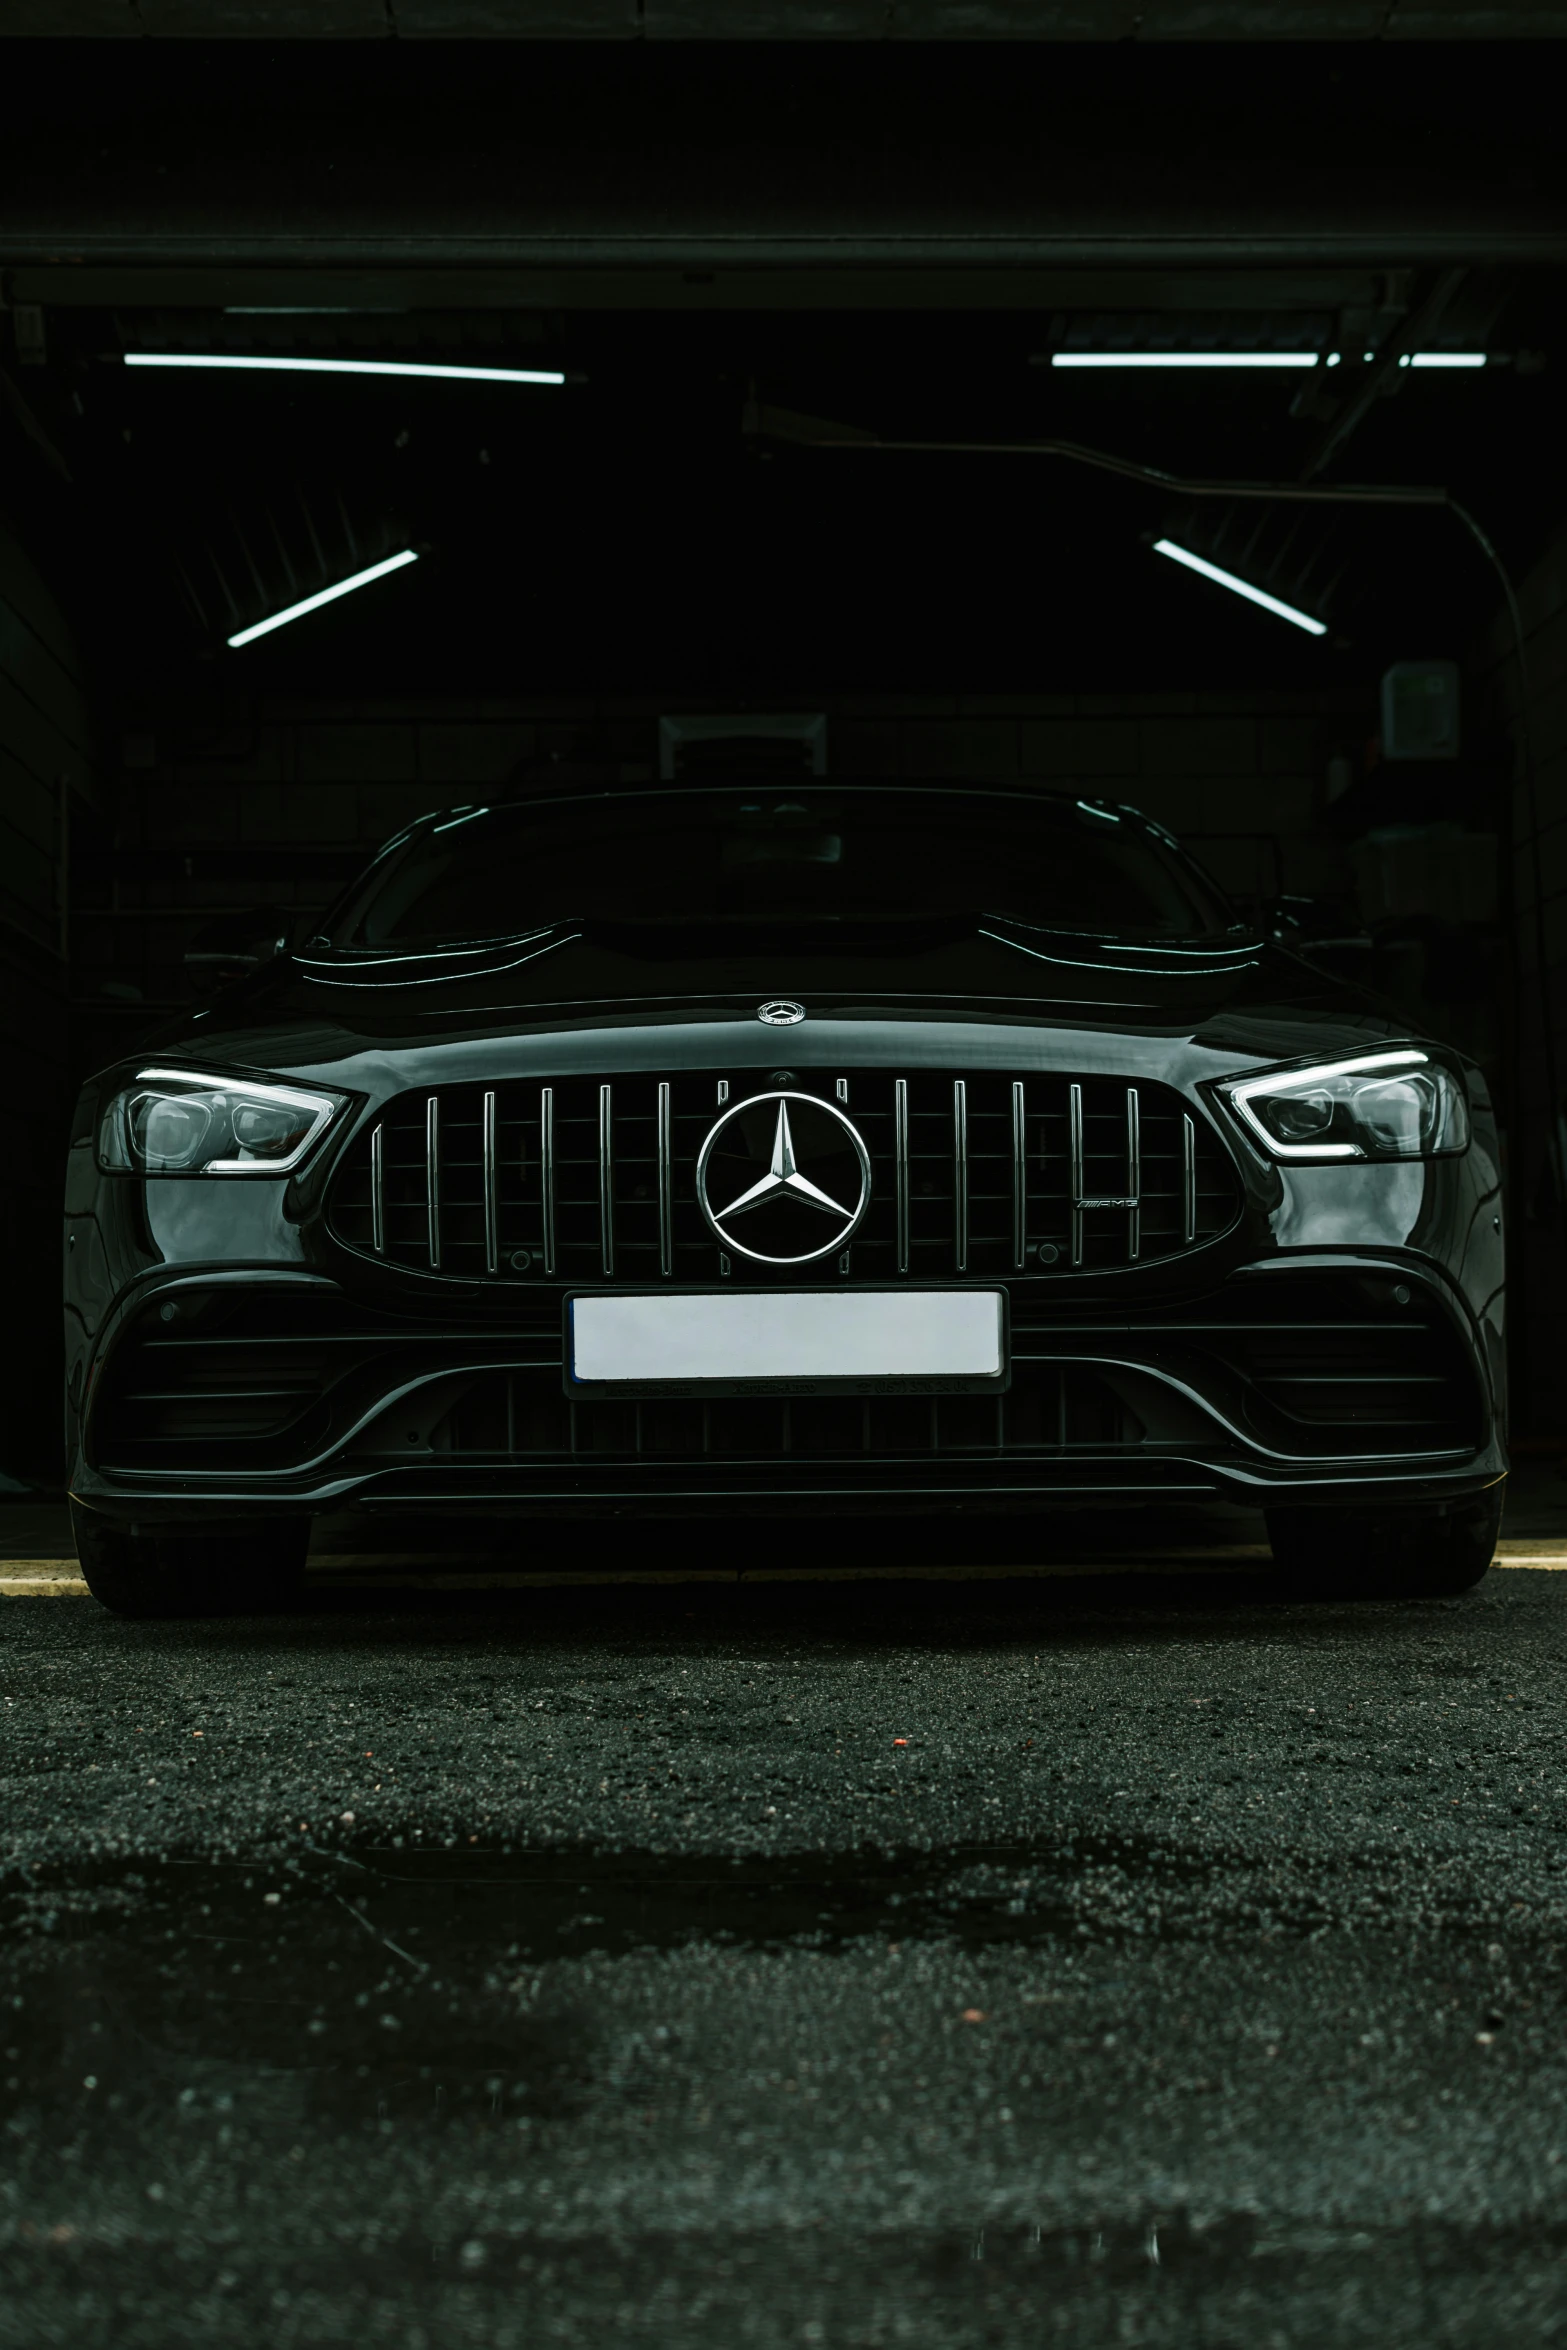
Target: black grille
248	1377
591	1180
1306	1365
1345	1367
270	1378
1049	1409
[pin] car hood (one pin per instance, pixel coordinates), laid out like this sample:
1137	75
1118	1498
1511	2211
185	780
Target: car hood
1244	999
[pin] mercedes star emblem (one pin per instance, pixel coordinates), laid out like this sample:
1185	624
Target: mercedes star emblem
780	1013
752	1174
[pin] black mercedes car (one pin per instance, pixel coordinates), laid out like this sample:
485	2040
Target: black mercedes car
831	1148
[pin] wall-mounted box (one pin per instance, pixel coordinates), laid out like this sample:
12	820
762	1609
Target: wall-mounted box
1420	710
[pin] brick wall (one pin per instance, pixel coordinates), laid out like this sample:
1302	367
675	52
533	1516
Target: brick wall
46	782
1539	1267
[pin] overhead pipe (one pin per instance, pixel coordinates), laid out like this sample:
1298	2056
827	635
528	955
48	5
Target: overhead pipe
818	432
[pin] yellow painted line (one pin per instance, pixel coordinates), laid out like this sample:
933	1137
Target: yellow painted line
40	1579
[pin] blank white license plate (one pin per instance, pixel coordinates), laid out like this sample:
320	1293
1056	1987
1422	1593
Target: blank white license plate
939	1340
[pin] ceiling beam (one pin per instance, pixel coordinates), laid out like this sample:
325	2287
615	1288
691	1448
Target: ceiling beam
750	178
769	265
842	286
791	21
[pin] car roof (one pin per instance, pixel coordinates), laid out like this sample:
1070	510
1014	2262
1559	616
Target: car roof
784	788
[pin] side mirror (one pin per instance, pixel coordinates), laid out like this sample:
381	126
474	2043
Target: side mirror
234	945
1313	922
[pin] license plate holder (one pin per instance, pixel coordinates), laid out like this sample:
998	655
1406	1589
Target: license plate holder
786	1342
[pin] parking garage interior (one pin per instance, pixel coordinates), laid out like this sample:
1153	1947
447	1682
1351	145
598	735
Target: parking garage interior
829	407
797	1931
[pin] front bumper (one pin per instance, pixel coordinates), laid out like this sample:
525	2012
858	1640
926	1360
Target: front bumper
1340	1377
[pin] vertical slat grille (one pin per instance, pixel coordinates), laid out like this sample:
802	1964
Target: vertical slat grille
1075	1159
900	1171
980	1176
492	1245
378	1191
607	1176
666	1186
547	1173
432	1177
960	1174
1134	1173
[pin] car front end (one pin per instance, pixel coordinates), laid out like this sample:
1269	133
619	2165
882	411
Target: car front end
982	1216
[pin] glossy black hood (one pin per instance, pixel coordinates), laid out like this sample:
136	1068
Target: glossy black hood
1235	995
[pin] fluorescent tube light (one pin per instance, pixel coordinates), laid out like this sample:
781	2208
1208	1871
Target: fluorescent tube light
1183	358
483	375
344	587
1252	359
1239	587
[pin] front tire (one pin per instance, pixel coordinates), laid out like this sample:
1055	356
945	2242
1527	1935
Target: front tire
250	1572
1391	1554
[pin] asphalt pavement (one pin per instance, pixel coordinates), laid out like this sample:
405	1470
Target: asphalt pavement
1098	1960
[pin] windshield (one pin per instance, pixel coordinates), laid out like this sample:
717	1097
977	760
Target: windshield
839	856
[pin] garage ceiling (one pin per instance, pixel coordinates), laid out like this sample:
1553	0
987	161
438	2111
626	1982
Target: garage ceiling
648	523
790	20
891	238
946	172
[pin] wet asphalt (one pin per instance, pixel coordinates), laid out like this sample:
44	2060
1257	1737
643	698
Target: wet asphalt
1149	1962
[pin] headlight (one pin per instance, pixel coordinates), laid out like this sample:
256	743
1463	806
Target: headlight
173	1122
1399	1105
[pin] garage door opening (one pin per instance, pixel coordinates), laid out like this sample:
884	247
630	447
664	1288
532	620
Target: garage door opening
690	452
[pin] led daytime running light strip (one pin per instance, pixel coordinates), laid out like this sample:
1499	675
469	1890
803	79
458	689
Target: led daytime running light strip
1239	587
1287	1080
289	366
344	587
